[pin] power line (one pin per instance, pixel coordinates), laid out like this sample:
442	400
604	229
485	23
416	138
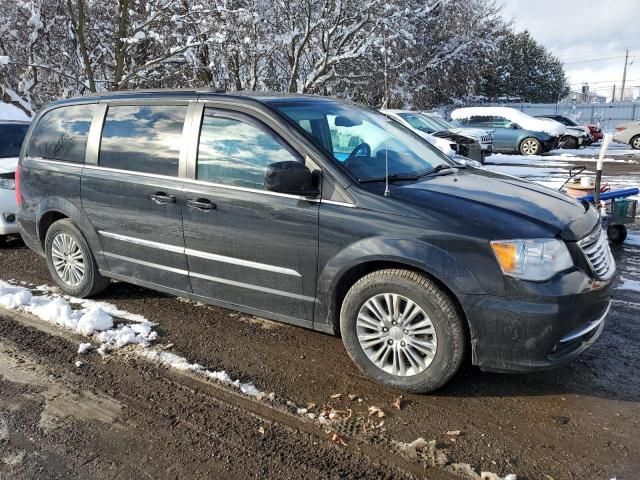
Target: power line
595	59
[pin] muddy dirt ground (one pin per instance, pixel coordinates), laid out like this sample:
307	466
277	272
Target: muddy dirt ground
122	417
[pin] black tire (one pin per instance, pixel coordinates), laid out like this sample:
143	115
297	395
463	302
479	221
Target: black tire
3	241
569	142
530	146
92	282
445	318
635	142
617	234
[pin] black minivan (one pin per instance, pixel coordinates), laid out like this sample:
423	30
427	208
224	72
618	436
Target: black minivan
320	213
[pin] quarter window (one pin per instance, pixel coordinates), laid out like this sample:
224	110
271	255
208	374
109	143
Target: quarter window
237	152
61	134
143	138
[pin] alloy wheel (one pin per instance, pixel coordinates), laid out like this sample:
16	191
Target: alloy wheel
68	259
396	334
529	147
636	142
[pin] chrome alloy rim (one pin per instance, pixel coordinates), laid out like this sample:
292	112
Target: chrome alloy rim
68	259
530	147
396	334
636	142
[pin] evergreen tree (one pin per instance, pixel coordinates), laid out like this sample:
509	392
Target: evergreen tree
526	71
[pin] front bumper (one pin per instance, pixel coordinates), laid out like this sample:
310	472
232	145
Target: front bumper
535	333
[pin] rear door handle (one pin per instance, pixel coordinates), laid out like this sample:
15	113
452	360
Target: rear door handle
201	204
162	198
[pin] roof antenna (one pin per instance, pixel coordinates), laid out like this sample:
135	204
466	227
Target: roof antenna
385	105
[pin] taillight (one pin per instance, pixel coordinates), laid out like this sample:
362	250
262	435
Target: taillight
619	129
18	197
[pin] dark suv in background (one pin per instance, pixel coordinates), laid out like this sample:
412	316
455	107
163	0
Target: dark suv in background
319	213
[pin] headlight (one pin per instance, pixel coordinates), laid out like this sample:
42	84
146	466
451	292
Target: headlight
8	183
536	259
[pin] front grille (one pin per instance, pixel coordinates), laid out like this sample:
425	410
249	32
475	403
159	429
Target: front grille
486	139
596	248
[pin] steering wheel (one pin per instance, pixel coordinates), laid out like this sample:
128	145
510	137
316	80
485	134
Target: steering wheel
353	154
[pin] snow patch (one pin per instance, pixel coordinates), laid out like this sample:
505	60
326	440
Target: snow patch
94	319
177	362
10	112
633	239
628	284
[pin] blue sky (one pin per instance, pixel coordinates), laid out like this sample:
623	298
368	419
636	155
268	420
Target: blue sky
589	36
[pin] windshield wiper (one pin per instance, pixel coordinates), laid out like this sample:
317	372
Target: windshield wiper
392	178
440	168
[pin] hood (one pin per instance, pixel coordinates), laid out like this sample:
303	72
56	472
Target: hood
8	164
577	131
555	211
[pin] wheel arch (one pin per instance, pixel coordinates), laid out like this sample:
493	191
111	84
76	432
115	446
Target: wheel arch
53	209
436	264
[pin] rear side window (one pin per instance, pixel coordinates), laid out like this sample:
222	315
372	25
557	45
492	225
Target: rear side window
61	134
143	138
11	137
237	152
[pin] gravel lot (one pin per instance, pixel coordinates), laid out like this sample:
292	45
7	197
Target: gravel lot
123	417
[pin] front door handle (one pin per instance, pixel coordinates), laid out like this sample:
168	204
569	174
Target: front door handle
201	204
162	198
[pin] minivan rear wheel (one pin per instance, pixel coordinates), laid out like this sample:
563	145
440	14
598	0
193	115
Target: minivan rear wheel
530	146
71	262
403	330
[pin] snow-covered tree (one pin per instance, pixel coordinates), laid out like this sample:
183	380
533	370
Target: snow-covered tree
525	70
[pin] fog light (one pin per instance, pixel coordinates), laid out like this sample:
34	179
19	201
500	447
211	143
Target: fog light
9	217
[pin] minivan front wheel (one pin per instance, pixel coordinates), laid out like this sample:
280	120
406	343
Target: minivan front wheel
401	329
71	262
530	146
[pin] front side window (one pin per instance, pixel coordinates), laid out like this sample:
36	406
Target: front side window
480	121
237	152
11	138
61	134
143	138
362	140
501	122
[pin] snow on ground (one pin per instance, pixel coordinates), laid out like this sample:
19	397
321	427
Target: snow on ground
633	239
96	320
628	284
180	363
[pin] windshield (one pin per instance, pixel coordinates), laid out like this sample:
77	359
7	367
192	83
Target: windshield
420	122
444	125
363	140
11	137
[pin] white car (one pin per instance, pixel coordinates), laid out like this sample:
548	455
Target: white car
453	144
12	134
628	133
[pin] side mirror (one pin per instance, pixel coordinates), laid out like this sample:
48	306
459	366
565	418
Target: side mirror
291	177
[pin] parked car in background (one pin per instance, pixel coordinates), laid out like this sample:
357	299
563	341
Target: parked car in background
594	130
572	125
574	137
319	213
513	130
475	144
12	134
628	133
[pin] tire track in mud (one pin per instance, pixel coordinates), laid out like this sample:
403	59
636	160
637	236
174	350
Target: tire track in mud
286	445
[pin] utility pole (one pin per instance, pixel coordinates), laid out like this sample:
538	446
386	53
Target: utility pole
624	75
613	96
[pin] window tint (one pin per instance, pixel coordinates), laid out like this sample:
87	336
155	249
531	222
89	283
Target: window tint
11	137
420	122
61	134
236	152
484	121
143	138
501	122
